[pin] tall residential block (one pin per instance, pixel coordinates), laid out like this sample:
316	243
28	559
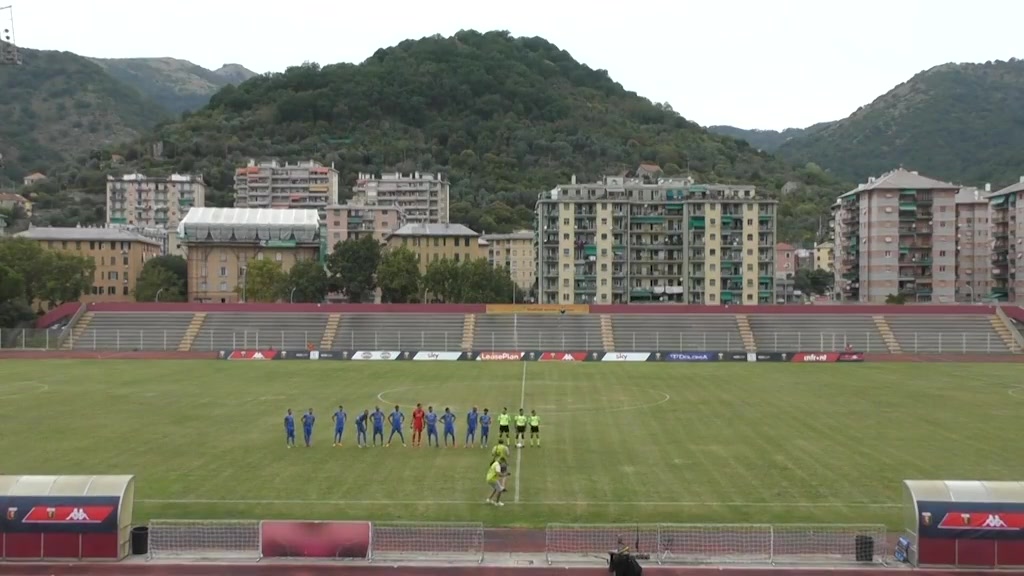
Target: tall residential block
146	201
350	221
1007	210
896	235
424	197
973	244
624	240
272	184
514	252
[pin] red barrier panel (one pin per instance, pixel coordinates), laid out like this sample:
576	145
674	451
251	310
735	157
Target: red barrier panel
209	307
563	357
865	309
299	539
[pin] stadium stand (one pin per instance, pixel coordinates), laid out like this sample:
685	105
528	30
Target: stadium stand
816	333
435	332
230	330
538	332
133	331
678	332
947	334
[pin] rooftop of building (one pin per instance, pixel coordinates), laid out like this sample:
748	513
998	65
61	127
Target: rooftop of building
901	179
367	177
364	207
971	195
262	217
173	178
86	234
435	230
517	235
35	176
1016	187
12	197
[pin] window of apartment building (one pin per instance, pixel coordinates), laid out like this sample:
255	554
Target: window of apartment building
750	297
565	236
711	282
565	251
565	282
604	251
458	257
92	245
942	268
750	251
888	253
111	275
515	253
750	282
604	281
942	253
604	236
565	266
434	257
124	260
750	267
711	297
223	286
202	271
750	221
565	221
466	256
604	205
125	246
437	242
112	290
712	221
711	252
124	290
604	221
223	271
604	267
565	297
64	244
712	267
714	236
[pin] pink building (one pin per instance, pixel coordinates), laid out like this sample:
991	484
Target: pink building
352	221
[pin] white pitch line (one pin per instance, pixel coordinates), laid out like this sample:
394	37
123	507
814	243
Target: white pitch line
519	457
692	504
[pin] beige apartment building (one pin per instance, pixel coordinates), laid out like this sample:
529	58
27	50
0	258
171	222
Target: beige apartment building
645	239
307	184
423	197
973	244
1007	222
896	234
514	252
146	201
825	256
351	221
221	242
433	242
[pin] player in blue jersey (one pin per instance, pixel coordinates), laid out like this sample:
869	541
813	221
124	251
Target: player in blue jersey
485	428
396	419
449	426
289	429
362	421
431	419
307	427
378	425
339	424
472	419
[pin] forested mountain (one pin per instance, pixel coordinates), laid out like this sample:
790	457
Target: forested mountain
955	122
505	117
767	140
176	85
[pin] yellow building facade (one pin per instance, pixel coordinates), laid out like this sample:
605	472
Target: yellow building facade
119	257
433	242
514	252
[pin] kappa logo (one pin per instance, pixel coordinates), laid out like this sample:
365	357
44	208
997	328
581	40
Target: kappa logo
78	515
568	358
257	356
994	521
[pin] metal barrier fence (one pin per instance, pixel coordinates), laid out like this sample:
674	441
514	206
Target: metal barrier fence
165	340
204	539
823	544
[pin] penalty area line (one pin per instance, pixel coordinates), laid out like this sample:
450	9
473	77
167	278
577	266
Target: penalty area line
681	504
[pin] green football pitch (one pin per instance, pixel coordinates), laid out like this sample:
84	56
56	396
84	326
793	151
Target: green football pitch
658	442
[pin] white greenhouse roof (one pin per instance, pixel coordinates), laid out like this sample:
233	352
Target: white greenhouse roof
249	225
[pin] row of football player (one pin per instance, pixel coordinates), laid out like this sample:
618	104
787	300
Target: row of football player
420	419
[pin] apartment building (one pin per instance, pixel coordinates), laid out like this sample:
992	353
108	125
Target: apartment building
1007	226
624	240
12	201
221	242
514	252
896	234
825	256
146	201
433	242
350	221
119	256
424	197
973	244
307	184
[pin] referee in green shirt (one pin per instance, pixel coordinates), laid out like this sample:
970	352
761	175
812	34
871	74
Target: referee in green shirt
520	428
504	419
534	428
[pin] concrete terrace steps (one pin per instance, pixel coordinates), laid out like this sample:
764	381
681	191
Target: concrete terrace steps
77	330
330	331
468	329
607	333
1005	333
192	331
746	333
887	335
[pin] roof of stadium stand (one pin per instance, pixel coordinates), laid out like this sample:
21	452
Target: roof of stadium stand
966	490
263	217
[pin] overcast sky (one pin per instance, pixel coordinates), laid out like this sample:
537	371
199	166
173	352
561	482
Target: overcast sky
748	63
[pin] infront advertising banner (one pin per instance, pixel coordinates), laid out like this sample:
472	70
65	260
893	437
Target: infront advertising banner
542	356
302	539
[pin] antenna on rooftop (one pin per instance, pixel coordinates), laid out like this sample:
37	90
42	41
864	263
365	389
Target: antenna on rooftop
8	46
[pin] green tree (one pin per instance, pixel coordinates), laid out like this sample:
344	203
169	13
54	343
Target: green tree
264	281
816	281
442	281
12	286
176	265
158	283
28	260
353	267
308	279
399	276
68	277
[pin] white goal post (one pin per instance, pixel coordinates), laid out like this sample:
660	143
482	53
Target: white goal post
204	539
428	541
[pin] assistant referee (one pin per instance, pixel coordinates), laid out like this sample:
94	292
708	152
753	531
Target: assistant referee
520	428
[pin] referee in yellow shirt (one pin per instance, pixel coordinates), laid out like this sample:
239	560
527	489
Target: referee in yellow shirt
534	428
520	428
504	419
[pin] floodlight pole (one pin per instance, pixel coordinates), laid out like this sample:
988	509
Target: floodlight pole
291	296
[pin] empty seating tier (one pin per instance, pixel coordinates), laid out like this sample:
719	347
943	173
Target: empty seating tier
241	330
963	334
816	333
133	331
427	332
538	332
676	332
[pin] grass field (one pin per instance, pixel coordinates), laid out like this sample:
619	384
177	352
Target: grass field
713	443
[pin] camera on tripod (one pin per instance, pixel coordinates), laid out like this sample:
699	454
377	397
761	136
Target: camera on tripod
624	562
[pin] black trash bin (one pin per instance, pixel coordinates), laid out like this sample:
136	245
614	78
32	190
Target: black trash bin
140	540
864	547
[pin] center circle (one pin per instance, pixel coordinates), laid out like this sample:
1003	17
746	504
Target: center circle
16	389
548	408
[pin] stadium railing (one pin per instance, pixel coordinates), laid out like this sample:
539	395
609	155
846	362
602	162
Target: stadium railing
433	541
204	539
31	338
819	544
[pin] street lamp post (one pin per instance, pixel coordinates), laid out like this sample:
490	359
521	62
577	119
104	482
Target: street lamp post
157	299
291	296
245	282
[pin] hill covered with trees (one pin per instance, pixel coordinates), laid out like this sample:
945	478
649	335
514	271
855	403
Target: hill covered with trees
504	117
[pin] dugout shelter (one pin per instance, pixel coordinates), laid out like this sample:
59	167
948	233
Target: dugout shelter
66	517
964	523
